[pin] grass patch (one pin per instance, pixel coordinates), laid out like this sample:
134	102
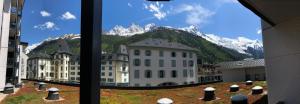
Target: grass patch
108	100
22	99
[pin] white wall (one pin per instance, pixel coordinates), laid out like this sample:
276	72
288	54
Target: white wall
282	58
233	75
4	34
155	80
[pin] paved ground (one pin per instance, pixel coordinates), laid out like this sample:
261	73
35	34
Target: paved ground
187	95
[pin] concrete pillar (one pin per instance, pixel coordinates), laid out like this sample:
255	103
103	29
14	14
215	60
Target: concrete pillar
282	59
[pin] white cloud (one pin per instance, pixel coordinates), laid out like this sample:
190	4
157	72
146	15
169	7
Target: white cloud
259	31
129	4
45	13
196	14
47	25
68	16
227	1
156	9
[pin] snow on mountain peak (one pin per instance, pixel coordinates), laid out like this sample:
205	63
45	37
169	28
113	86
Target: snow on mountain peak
131	30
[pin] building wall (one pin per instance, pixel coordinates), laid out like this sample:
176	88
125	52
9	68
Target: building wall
234	75
4	34
23	64
61	67
282	57
39	68
208	73
74	71
154	67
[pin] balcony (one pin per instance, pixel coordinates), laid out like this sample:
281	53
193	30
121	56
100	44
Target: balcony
10	62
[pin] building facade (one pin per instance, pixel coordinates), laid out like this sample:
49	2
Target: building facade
115	68
208	73
10	24
157	62
239	71
74	71
22	71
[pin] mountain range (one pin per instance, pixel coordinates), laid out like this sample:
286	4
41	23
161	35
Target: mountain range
211	47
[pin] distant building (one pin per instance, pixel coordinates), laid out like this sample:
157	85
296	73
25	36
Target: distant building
53	67
74	71
237	71
157	62
208	73
114	68
22	72
38	65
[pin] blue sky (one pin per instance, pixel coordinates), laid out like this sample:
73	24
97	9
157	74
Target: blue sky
227	18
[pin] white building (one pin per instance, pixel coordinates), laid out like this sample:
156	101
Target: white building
115	68
39	67
240	71
280	31
157	62
74	70
10	15
22	71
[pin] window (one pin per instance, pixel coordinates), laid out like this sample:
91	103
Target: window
137	52
72	73
161	74
137	62
61	62
161	63
72	68
148	74
110	62
103	74
191	55
72	78
103	62
78	78
184	64
173	62
173	73
191	73
148	53
123	68
185	73
51	74
173	54
103	79
110	57
78	68
136	74
78	73
161	53
110	68
110	74
148	85
147	62
110	80
61	68
191	63
184	54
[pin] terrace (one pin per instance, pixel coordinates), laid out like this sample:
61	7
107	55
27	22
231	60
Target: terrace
185	95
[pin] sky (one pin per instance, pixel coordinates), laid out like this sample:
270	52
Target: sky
226	18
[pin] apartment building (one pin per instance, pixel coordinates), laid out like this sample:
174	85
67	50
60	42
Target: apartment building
157	62
240	71
39	67
208	73
22	71
74	71
10	16
115	68
51	67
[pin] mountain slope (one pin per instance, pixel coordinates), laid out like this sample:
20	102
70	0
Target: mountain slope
207	51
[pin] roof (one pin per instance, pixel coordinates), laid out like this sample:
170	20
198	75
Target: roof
160	43
273	11
75	58
40	55
241	64
113	57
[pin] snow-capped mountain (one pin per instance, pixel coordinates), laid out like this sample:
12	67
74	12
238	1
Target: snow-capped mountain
241	44
66	36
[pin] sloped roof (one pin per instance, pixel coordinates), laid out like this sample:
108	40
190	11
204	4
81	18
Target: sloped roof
40	55
160	43
241	64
